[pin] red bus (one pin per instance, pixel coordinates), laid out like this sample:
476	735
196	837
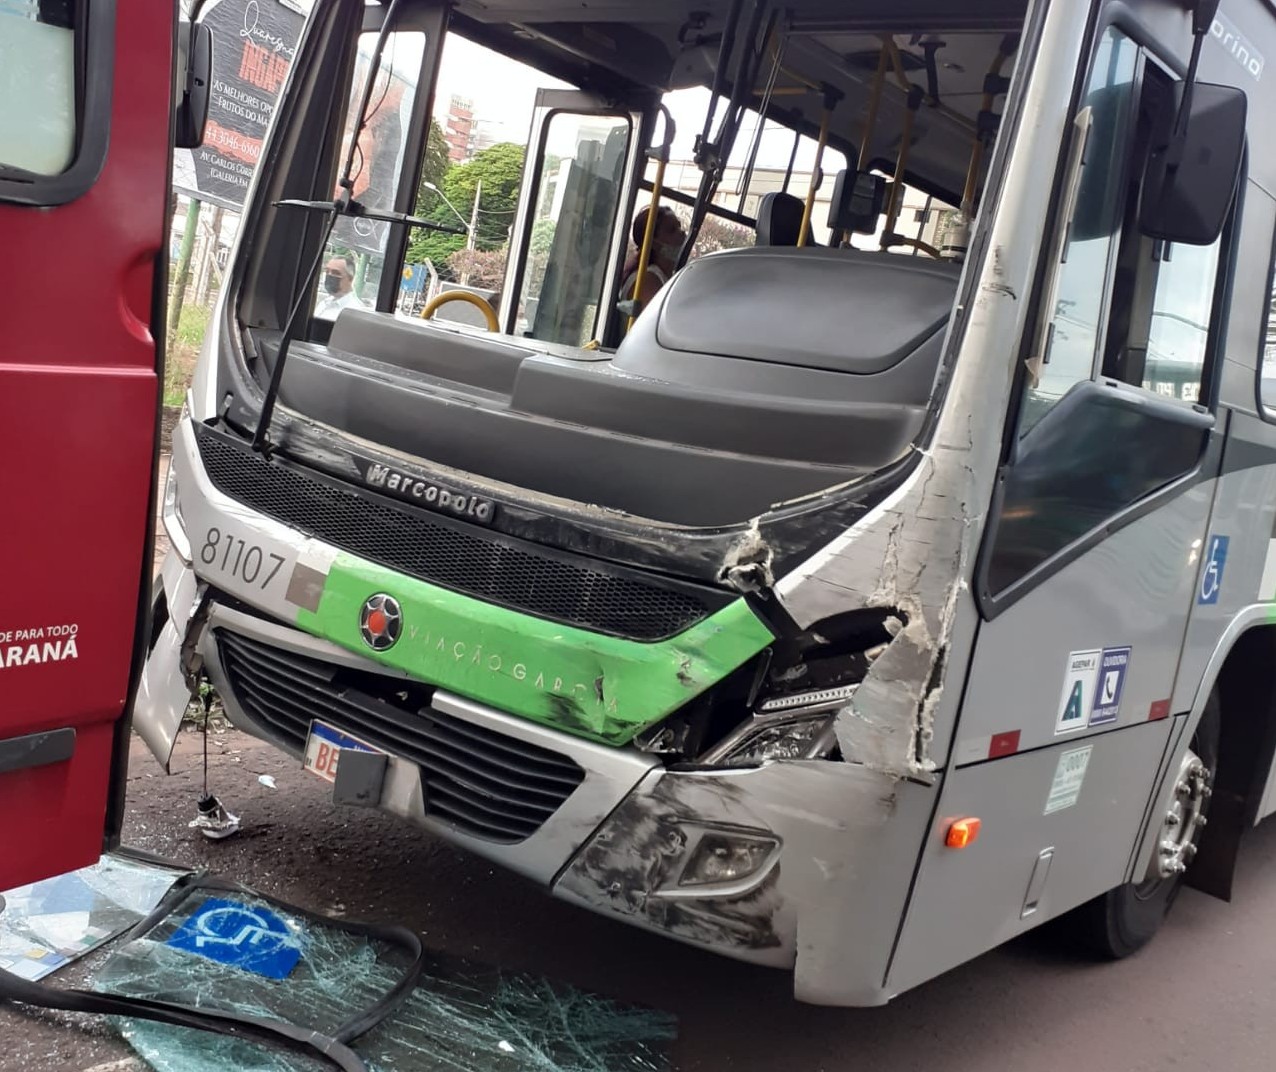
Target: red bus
87	122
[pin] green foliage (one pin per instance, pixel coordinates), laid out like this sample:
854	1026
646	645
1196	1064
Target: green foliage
500	170
542	236
193	324
483	268
179	363
434	166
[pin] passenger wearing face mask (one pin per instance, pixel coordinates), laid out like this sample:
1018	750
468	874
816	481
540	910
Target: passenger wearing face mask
338	285
665	247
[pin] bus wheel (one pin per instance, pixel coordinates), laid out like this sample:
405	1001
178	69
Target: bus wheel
1123	920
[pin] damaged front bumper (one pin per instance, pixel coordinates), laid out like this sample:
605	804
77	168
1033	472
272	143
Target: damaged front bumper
787	863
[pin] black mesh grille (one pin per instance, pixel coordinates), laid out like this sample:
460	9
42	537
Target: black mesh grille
490	568
483	783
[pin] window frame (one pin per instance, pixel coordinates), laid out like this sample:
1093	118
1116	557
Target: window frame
94	92
529	195
991	604
1150	51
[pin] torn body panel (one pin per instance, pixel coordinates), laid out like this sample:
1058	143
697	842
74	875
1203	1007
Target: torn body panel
816	907
917	549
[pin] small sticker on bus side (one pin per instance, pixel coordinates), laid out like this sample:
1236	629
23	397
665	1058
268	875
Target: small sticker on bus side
1080	676
1065	790
1212	570
1107	699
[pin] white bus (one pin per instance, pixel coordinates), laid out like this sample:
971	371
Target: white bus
883	590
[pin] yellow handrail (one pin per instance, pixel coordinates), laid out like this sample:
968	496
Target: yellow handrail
897	62
874	104
648	238
901	163
661	153
440	300
809	207
977	151
889	240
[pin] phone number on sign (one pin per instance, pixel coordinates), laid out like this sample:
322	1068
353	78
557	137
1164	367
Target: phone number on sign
228	554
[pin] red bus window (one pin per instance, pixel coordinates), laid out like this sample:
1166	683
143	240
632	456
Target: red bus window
37	88
55	96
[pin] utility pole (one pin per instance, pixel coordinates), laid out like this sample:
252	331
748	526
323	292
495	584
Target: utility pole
469	238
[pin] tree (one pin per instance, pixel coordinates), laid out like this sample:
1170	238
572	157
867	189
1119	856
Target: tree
500	170
484	268
434	168
435	165
718	234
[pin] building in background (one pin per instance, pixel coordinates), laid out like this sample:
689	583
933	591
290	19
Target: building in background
458	129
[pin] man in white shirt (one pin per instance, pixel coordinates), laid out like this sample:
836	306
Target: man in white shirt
338	285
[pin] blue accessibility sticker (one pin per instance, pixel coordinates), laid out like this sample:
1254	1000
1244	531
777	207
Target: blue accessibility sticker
249	937
1107	695
1212	571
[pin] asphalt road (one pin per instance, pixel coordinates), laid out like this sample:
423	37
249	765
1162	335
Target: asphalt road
1202	996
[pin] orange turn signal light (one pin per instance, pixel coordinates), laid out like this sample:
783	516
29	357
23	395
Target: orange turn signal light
962	833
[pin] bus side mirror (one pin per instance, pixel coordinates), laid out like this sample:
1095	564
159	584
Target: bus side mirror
194	78
1191	180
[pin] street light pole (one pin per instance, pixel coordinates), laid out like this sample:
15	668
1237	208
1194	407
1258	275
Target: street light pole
455	211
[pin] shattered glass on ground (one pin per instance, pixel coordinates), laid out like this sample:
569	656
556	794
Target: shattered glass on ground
461	1017
49	924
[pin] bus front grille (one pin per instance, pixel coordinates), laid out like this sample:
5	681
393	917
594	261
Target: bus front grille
489	566
479	781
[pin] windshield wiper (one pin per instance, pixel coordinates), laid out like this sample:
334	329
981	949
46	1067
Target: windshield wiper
343	206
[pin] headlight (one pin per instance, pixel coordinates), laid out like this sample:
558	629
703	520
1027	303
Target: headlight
727	856
798	738
797	726
174	522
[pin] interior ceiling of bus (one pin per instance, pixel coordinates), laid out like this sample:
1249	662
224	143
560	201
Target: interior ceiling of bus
661	45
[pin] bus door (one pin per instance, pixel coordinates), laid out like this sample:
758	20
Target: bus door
581	164
85	117
1098	545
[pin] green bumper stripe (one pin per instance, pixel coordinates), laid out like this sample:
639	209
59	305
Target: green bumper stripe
595	686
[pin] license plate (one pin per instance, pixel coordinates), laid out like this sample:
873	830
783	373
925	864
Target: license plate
324	746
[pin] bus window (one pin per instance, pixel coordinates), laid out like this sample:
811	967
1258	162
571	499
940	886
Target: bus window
356	251
1077	321
1179	331
37	91
924	222
577	192
767	158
